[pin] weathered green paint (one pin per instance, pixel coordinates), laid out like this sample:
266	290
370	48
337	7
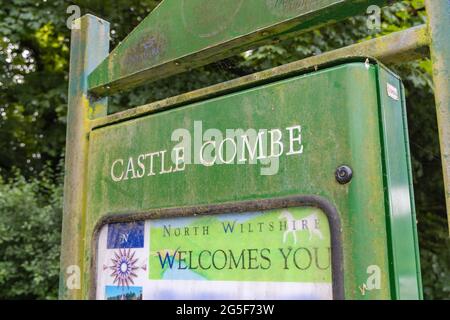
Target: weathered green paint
397	47
401	217
439	25
342	125
180	35
90	44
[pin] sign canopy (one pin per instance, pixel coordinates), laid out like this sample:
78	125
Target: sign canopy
180	35
313	137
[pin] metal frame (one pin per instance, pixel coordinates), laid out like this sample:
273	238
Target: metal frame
397	47
151	40
239	207
438	26
87	84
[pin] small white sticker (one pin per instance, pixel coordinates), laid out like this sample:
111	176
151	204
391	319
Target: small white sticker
392	92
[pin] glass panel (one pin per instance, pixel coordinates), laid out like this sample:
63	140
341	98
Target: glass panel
275	254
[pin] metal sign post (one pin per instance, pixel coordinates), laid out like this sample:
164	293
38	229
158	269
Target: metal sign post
318	185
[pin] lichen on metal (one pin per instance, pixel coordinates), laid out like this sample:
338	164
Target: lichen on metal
439	25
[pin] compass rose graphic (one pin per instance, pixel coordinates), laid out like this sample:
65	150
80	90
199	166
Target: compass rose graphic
124	267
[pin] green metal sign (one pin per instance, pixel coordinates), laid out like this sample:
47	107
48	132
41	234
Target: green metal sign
322	142
190	33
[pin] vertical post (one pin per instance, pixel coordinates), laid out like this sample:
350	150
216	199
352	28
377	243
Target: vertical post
89	46
439	27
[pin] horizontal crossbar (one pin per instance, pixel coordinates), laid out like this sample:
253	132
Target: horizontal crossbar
402	46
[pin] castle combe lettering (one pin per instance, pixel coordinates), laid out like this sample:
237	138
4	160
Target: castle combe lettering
213	147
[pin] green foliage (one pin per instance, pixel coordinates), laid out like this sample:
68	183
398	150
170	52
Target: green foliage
30	228
34	59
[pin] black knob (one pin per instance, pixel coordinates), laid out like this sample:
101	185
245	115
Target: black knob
344	174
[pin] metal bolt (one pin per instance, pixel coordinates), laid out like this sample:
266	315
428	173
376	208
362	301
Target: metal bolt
344	174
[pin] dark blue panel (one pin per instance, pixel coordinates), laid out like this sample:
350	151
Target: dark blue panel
126	235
